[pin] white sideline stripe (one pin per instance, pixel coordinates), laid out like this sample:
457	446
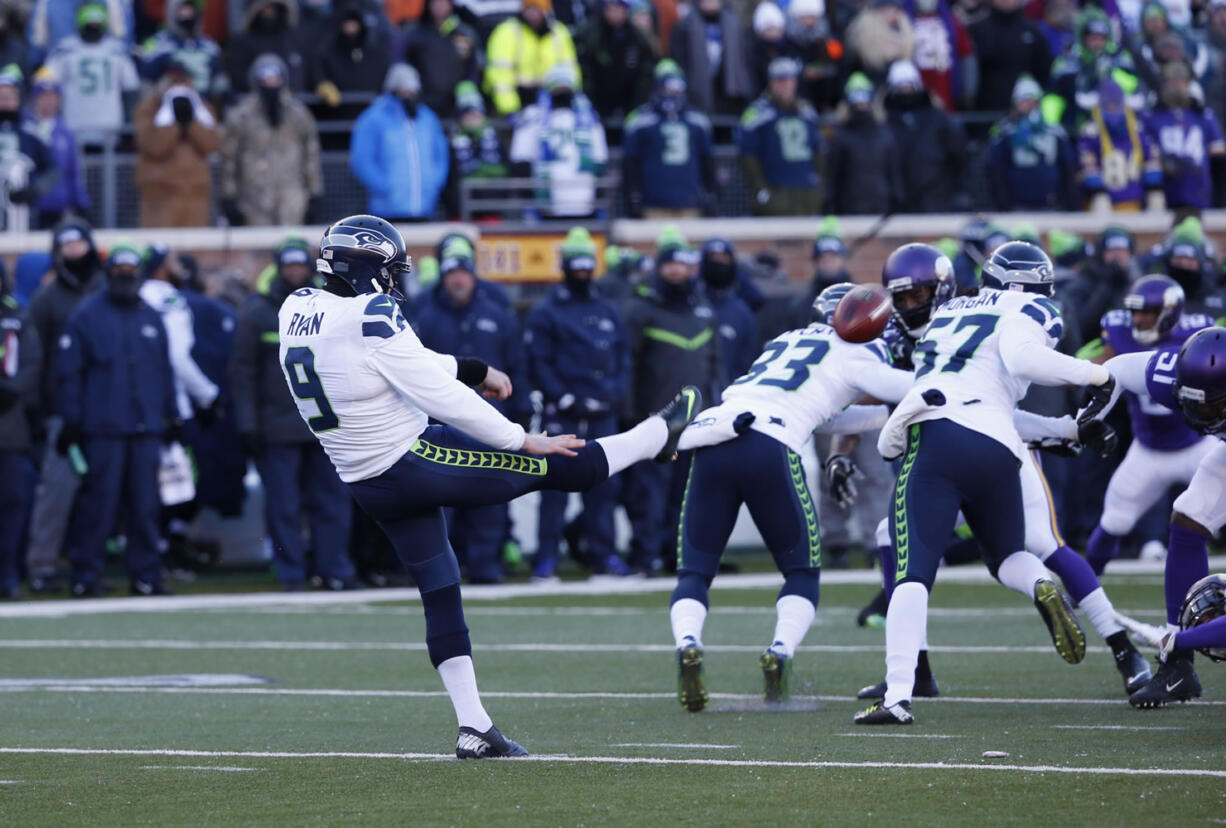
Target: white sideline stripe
1115	727
222	768
866	735
493	592
577	648
627	760
528	694
683	745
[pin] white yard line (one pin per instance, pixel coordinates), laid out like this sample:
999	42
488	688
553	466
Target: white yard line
1115	727
220	768
599	586
51	687
680	745
631	760
863	734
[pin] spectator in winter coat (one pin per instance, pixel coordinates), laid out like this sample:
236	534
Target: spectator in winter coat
878	36
1009	45
668	169
97	76
1162	40
19	374
829	268
710	45
270	166
1076	76
269	27
1120	167
176	133
399	151
1031	164
1102	281
616	60
932	142
820	54
1058	25
68	194
476	150
944	53
13	46
354	56
51	21
445	51
560	141
770	40
27	165
780	147
738	330
521	51
1190	141
862	165
182	40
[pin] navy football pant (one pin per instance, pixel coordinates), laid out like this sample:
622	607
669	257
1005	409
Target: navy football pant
298	475
123	475
948	468
766	476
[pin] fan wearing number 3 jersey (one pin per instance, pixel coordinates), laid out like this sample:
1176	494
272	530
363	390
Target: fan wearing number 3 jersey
748	452
955	427
368	388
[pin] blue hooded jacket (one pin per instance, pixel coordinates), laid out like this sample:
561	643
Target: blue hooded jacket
401	162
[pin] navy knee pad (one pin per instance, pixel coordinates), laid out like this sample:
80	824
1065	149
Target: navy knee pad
446	632
803	582
693	585
578	474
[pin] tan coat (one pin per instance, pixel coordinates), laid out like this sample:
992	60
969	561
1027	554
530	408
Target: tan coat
172	168
271	173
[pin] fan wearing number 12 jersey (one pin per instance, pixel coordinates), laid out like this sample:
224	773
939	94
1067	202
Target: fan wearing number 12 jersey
962	452
368	388
748	452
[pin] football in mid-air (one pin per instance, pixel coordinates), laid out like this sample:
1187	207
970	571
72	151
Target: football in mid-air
861	315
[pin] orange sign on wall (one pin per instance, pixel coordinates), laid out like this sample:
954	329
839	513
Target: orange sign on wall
525	258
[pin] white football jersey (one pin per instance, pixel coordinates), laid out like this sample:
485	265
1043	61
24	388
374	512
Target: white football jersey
806	377
367	387
960	356
94	77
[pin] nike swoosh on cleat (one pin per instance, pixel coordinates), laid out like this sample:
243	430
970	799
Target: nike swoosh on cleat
1171	687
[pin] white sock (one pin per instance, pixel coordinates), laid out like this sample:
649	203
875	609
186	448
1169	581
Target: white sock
1098	609
460	679
1020	570
924	640
687	617
642	442
906	623
794	617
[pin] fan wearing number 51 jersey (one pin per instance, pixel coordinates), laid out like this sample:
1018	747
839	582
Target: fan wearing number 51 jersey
367	388
962	451
748	452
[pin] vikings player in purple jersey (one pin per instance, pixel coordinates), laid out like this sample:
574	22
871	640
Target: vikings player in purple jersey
1165	450
1191	381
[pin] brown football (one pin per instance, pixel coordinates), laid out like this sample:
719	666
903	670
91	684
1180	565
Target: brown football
861	315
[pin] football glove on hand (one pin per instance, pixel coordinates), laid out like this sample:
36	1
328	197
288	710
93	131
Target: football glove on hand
841	472
1099	401
1099	436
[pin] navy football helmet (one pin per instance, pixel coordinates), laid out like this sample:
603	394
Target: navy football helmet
1160	294
1200	380
1019	265
921	279
366	253
1206	601
826	301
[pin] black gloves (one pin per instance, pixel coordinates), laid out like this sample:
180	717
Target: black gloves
185	113
841	472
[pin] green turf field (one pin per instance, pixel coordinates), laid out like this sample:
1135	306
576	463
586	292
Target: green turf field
331	714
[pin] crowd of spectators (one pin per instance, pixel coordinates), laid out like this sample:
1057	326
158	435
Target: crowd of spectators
131	397
856	107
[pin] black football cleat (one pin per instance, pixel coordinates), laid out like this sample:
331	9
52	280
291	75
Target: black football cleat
1057	612
472	744
925	688
691	683
873	613
1134	669
678	414
879	714
1175	681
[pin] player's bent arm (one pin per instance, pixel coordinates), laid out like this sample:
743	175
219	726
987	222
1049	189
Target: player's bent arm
1031	427
416	373
1129	370
1027	355
855	419
881	382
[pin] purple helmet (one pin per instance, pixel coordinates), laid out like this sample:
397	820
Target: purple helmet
1155	293
918	266
1200	380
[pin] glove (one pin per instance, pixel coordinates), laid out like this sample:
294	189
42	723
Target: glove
841	472
1098	401
185	113
70	435
1059	446
229	208
329	93
21	195
1099	436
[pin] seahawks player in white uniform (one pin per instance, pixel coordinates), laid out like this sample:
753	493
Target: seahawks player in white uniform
962	453
367	387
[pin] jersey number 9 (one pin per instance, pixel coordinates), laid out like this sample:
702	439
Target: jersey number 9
305	383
